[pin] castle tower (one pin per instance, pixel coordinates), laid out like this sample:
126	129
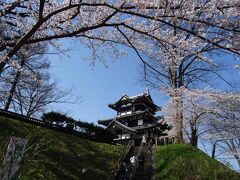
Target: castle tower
135	117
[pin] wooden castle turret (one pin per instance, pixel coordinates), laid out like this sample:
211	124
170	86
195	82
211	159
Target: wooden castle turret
135	117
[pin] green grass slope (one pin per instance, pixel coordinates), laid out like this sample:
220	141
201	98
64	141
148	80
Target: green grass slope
55	155
184	162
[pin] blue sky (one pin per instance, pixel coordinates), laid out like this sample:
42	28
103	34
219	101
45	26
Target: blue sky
97	85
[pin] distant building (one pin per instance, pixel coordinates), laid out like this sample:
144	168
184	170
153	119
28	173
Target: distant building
135	118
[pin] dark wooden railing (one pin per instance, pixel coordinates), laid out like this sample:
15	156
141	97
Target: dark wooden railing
38	122
119	163
133	172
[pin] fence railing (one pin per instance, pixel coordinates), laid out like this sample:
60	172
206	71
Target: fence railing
38	122
118	165
133	172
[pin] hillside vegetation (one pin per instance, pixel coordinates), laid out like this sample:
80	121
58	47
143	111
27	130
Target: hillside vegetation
181	161
55	155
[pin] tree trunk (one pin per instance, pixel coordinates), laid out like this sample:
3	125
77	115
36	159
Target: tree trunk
13	87
178	122
214	150
194	138
2	65
176	81
178	139
12	90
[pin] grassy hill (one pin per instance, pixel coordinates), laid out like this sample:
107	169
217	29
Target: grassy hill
55	155
181	161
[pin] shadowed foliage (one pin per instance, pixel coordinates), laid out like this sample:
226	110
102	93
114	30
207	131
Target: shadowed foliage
89	130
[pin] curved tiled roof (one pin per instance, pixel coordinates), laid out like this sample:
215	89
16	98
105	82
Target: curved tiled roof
122	126
145	95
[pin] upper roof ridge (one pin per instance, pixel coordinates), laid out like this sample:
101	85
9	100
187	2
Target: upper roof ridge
139	95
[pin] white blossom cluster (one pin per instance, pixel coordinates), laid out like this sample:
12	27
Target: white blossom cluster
215	115
183	26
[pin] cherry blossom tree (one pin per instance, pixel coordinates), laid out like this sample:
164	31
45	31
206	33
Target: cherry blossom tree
213	116
35	98
225	123
25	22
29	59
29	89
180	59
179	30
205	111
195	116
175	70
194	111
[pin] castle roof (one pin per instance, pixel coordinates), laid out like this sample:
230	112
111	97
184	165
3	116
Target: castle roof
125	99
134	130
105	122
121	126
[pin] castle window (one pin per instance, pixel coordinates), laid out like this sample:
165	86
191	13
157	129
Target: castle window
140	122
125	136
123	113
129	112
124	105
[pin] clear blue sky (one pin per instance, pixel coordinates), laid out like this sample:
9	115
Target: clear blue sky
97	85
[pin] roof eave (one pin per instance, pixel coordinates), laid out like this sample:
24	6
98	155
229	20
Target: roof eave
122	126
